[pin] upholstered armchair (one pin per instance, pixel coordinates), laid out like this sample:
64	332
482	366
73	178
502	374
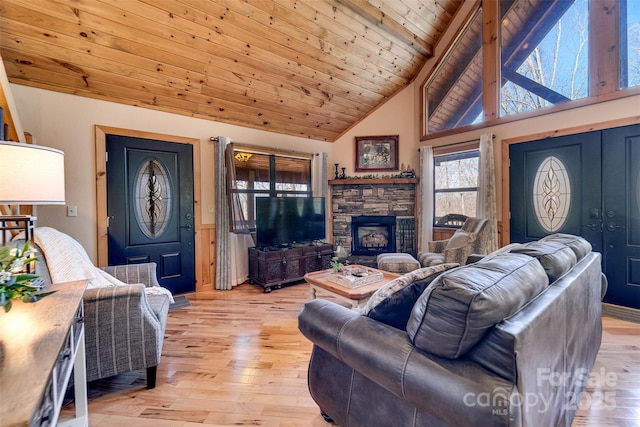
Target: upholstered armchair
125	308
124	325
471	238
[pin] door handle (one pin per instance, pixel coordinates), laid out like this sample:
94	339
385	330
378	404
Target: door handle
611	226
594	226
187	227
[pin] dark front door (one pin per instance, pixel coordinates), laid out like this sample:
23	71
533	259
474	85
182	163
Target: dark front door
621	214
150	207
585	184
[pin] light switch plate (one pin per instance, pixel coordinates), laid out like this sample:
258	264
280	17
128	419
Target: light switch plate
72	211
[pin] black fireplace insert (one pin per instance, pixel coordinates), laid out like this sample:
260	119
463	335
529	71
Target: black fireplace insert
373	235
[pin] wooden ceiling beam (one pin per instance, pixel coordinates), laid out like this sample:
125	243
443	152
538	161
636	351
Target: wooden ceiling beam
395	29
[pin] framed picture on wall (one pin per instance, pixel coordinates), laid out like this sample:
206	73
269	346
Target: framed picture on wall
376	153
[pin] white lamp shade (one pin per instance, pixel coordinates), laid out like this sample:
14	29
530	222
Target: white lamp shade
31	174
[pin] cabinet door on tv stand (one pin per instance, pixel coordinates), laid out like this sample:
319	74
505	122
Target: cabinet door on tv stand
317	262
291	268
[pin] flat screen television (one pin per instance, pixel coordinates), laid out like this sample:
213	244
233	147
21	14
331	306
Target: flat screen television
282	221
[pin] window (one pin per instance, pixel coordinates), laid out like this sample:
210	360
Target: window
630	43
545	48
544	54
456	184
268	175
454	95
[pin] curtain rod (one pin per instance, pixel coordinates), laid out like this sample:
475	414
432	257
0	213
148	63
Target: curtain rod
259	149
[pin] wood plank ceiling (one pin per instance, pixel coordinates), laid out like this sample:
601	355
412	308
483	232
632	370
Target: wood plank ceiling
310	68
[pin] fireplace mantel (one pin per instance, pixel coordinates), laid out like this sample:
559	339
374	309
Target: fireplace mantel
370	181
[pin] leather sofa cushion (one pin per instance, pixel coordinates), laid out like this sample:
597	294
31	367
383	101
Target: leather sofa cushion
578	245
392	303
462	304
555	257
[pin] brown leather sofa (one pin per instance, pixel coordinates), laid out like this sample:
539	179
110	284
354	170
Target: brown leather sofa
506	341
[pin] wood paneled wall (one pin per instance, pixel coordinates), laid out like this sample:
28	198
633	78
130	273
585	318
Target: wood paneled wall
206	258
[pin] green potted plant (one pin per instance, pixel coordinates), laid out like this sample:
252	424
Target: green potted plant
14	281
336	265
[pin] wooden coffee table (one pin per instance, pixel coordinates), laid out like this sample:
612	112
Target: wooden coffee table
356	297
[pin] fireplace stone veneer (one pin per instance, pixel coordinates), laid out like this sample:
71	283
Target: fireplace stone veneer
375	197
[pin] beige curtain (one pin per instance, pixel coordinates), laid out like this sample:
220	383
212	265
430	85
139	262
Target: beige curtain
320	184
486	207
425	199
223	253
232	249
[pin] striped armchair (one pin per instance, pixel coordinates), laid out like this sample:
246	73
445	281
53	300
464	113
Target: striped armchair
124	325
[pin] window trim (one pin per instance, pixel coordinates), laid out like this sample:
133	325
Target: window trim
451	151
598	93
272	191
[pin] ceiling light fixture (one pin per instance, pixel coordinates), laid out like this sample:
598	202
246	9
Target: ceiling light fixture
242	157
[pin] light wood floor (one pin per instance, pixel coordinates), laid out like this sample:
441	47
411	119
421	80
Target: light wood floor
237	358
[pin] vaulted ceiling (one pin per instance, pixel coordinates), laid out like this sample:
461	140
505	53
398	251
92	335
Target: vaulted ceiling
310	68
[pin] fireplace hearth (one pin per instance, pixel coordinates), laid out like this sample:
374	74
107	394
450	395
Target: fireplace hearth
373	235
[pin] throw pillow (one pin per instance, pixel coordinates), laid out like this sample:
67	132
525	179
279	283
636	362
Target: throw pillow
461	305
392	303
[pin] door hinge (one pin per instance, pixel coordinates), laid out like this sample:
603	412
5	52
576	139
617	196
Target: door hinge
109	221
106	156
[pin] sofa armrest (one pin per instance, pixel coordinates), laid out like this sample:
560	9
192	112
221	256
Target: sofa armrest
386	356
122	332
437	246
458	255
134	273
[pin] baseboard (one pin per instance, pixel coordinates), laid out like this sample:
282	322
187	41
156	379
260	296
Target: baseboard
622	313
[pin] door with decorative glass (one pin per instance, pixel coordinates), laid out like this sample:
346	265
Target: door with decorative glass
586	184
150	207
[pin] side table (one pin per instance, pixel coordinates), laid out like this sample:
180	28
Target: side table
40	345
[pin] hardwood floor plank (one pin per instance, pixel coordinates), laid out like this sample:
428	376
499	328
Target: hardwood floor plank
237	358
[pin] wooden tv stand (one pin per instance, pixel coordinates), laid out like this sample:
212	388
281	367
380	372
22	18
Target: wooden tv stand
273	267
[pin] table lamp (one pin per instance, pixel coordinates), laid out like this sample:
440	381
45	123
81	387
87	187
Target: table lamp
29	175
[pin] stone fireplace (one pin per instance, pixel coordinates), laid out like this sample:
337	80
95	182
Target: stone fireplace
394	198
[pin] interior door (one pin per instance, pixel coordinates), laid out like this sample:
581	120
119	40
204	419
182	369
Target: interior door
150	207
585	184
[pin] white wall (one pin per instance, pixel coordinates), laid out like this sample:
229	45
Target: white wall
66	122
395	117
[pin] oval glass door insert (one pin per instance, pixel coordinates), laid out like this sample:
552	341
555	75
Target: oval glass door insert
153	198
551	194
